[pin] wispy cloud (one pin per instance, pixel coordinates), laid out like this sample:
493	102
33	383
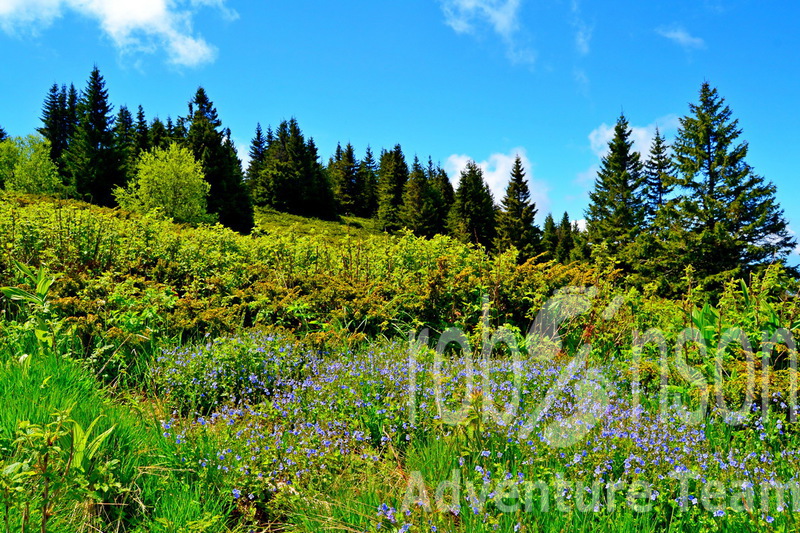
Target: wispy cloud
582	79
583	31
682	37
133	26
501	16
497	171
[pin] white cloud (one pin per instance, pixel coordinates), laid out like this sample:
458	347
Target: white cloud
497	170
682	37
461	15
132	25
502	16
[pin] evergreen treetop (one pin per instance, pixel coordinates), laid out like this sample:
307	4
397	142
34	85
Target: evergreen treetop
515	221
659	178
728	212
367	186
418	211
616	212
142	134
212	146
91	158
392	177
258	151
472	217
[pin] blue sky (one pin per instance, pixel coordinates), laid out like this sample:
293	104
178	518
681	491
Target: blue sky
453	79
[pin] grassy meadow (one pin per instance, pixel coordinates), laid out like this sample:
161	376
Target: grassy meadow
323	376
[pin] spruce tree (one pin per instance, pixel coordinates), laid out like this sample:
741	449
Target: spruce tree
728	220
472	217
659	178
142	134
367	180
91	159
616	210
73	119
258	152
292	178
236	211
54	119
418	211
580	249
211	145
3	134
443	195
343	173
59	121
178	131
170	126
321	201
566	240
158	135
515	221
549	236
392	177
279	174
125	144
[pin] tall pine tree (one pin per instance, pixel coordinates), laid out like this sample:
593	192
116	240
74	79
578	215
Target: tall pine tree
659	177
343	174
91	159
3	134
418	211
515	221
392	177
472	217
54	121
158	135
142	133
566	240
367	180
125	144
616	211
292	178
443	195
549	236
212	146
728	219
320	201
258	152
59	120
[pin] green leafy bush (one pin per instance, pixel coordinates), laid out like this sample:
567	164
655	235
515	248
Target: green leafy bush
170	181
26	167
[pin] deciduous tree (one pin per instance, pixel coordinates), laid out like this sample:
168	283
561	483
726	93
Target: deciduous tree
171	181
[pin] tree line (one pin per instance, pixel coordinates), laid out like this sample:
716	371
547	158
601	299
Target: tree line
697	202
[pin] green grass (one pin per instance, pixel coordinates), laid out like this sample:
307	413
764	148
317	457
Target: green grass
156	488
